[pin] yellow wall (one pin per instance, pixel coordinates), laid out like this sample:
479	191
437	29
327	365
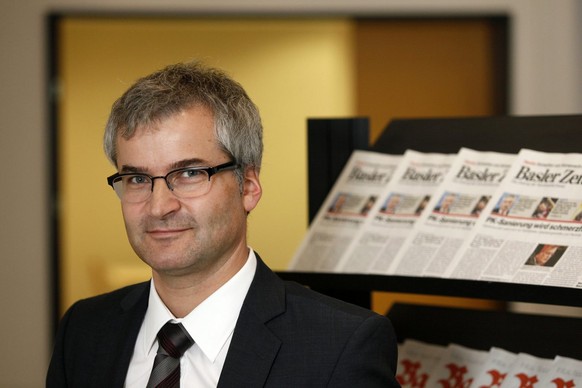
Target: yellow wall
428	68
292	68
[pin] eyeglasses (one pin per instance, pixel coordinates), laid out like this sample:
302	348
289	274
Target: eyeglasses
185	183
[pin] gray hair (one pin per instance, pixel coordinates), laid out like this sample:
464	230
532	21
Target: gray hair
237	122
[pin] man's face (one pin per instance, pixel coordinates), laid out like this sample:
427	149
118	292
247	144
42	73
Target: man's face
179	236
507	202
448	200
393	202
544	254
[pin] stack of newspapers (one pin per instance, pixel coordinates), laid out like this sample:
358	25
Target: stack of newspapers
473	215
427	365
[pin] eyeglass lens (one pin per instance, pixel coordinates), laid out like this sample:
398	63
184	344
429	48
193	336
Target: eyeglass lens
186	183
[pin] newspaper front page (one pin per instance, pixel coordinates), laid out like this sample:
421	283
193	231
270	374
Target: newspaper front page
452	212
527	371
416	359
494	370
532	227
393	216
457	367
564	373
345	209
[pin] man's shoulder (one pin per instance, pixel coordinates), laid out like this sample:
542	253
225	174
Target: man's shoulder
300	295
300	300
309	314
114	301
119	294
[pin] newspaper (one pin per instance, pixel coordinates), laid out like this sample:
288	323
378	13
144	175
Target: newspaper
344	210
495	368
564	373
532	227
415	360
527	371
453	211
457	367
393	216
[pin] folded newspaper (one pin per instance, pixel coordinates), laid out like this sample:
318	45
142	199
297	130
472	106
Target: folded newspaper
400	204
416	360
453	212
344	210
527	371
495	368
564	373
531	229
457	367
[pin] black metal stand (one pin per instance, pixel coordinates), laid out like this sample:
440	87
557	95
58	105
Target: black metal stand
543	336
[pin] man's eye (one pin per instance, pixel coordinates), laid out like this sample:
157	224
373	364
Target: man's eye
189	176
192	173
137	180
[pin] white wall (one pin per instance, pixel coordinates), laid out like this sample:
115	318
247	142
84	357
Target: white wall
545	79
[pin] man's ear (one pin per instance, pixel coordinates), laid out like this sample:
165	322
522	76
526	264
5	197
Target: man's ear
252	190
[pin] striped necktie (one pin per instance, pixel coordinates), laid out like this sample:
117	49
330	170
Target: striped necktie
173	341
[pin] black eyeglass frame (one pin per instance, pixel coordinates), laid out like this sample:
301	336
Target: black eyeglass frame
210	171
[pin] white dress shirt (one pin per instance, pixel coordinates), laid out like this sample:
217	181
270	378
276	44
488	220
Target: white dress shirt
210	324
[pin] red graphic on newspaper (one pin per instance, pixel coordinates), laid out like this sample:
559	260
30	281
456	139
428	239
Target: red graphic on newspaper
563	384
496	379
456	377
526	381
410	376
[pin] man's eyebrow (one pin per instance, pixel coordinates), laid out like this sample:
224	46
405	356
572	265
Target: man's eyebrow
194	162
126	168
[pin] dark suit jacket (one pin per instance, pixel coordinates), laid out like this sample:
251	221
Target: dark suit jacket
285	336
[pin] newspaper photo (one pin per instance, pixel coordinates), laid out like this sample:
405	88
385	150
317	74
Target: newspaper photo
344	210
452	213
532	227
392	217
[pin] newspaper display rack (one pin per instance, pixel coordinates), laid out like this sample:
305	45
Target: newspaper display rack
471	328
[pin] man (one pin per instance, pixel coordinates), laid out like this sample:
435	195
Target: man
480	206
391	204
544	256
505	206
446	203
544	208
187	144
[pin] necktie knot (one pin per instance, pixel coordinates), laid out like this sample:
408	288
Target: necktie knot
174	339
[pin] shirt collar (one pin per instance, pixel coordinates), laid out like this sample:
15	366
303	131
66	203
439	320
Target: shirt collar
212	322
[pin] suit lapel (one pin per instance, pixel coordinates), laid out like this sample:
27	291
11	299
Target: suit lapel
254	347
124	329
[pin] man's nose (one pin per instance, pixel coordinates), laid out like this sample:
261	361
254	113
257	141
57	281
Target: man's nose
162	200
